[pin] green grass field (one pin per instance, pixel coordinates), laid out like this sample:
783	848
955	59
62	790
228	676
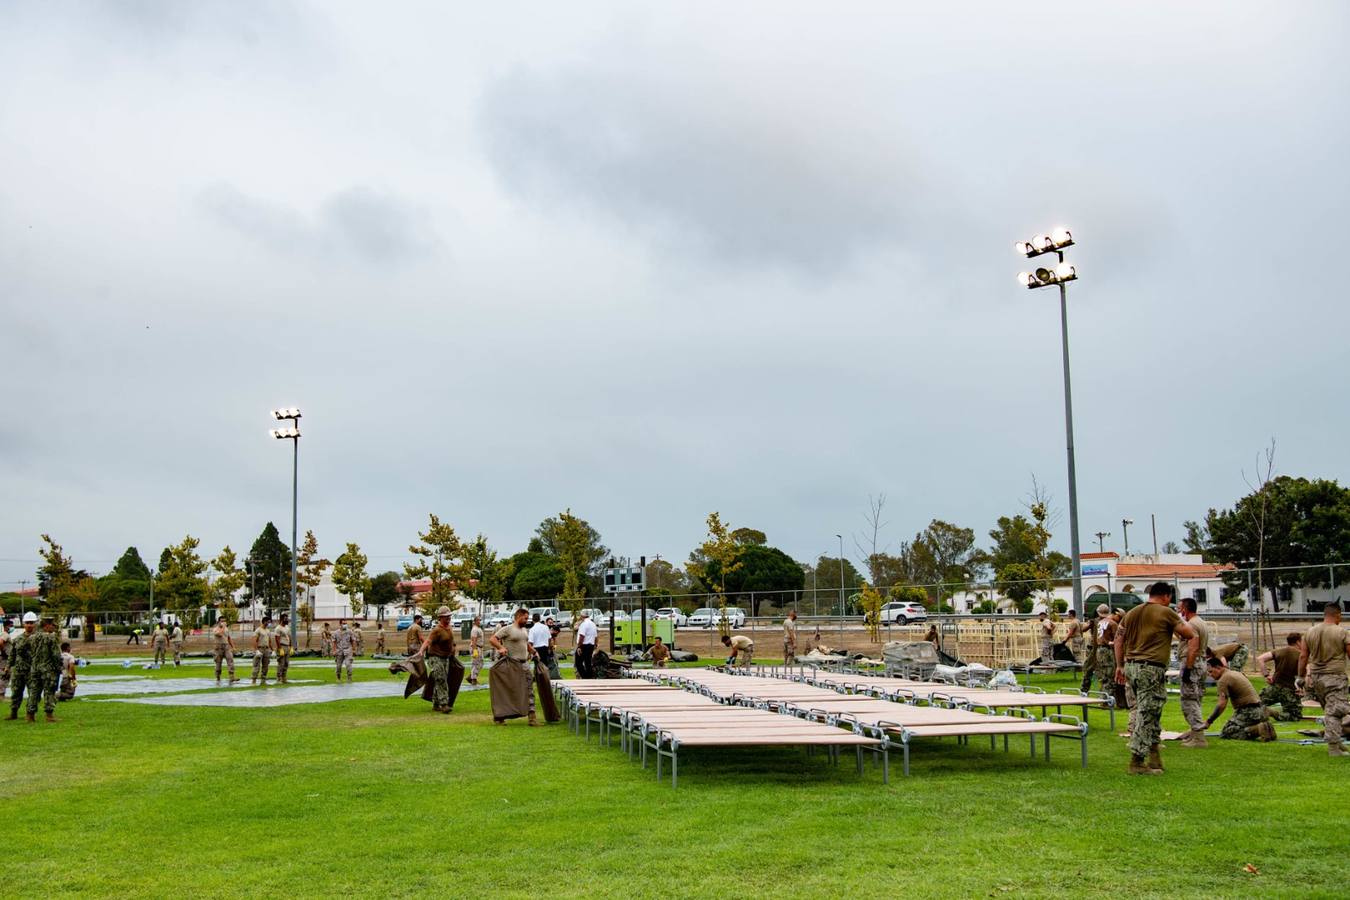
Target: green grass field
382	798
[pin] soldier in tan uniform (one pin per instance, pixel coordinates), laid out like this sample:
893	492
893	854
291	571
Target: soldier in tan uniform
475	649
790	639
742	649
222	649
1248	722
1321	664
326	640
176	643
1192	679
1046	630
358	639
379	638
659	653
262	650
414	635
159	642
281	639
1074	636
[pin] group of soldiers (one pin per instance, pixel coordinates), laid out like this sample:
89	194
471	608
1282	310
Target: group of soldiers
35	661
1129	653
162	639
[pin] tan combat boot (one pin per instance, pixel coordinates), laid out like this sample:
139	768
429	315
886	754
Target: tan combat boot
1196	740
1155	759
1139	767
51	717
32	718
532	719
1335	750
1265	732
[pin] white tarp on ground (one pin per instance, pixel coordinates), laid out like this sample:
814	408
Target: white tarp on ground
264	698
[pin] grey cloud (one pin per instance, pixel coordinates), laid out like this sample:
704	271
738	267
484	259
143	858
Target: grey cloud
740	180
358	222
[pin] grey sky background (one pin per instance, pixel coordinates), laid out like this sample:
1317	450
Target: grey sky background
649	263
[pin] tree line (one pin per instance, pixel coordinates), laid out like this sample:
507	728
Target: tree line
1282	524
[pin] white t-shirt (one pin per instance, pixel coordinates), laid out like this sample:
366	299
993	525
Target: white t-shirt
540	635
587	632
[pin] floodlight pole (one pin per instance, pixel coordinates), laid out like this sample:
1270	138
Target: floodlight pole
295	503
841	586
1068	430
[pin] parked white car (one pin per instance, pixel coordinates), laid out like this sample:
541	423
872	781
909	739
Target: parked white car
735	617
702	618
673	614
497	620
903	613
544	613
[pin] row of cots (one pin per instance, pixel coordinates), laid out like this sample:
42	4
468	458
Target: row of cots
658	712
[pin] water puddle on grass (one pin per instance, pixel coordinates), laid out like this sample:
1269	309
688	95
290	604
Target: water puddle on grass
103	685
268	698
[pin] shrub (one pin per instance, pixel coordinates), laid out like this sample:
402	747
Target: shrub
984	607
1061	606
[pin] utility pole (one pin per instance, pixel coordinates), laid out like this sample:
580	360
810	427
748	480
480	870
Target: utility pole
1101	538
1125	524
1154	518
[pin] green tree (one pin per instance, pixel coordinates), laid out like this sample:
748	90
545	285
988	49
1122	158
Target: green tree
720	549
127	587
1285	524
440	559
309	569
229	579
574	543
749	536
351	579
383	592
1021	557
486	575
759	570
182	587
1197	539
662	576
908	593
268	567
942	558
870	600
595	553
65	591
827	582
535	576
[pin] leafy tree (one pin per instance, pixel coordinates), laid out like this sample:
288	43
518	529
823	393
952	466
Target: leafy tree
721	550
535	576
182	586
229	579
486	576
1021	557
574	543
127	587
1171	547
440	558
887	570
749	536
758	570
1197	540
309	569
1284	524
662	576
383	592
63	589
268	568
351	579
827	580
942	556
870	599
908	593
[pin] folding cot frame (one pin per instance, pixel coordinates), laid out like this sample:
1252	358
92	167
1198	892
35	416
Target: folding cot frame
909	691
683	722
992	721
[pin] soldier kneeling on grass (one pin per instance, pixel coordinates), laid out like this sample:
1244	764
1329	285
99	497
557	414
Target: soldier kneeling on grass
1248	721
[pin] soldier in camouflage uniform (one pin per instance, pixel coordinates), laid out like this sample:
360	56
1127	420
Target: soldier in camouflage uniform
1143	649
4	657
342	650
1322	664
1191	665
45	660
20	663
1248	721
1281	689
358	639
281	637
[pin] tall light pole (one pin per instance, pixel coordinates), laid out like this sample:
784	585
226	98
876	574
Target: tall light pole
841	583
1057	242
1125	524
291	434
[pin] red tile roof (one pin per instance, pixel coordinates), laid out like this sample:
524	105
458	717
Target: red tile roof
1109	554
1193	570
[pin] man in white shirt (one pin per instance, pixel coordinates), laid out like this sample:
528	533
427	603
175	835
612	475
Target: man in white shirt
541	639
587	635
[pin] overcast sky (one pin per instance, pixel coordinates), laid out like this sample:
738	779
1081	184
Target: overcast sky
651	261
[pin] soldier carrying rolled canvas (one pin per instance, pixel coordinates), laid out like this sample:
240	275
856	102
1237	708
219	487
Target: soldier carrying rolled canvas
1143	648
